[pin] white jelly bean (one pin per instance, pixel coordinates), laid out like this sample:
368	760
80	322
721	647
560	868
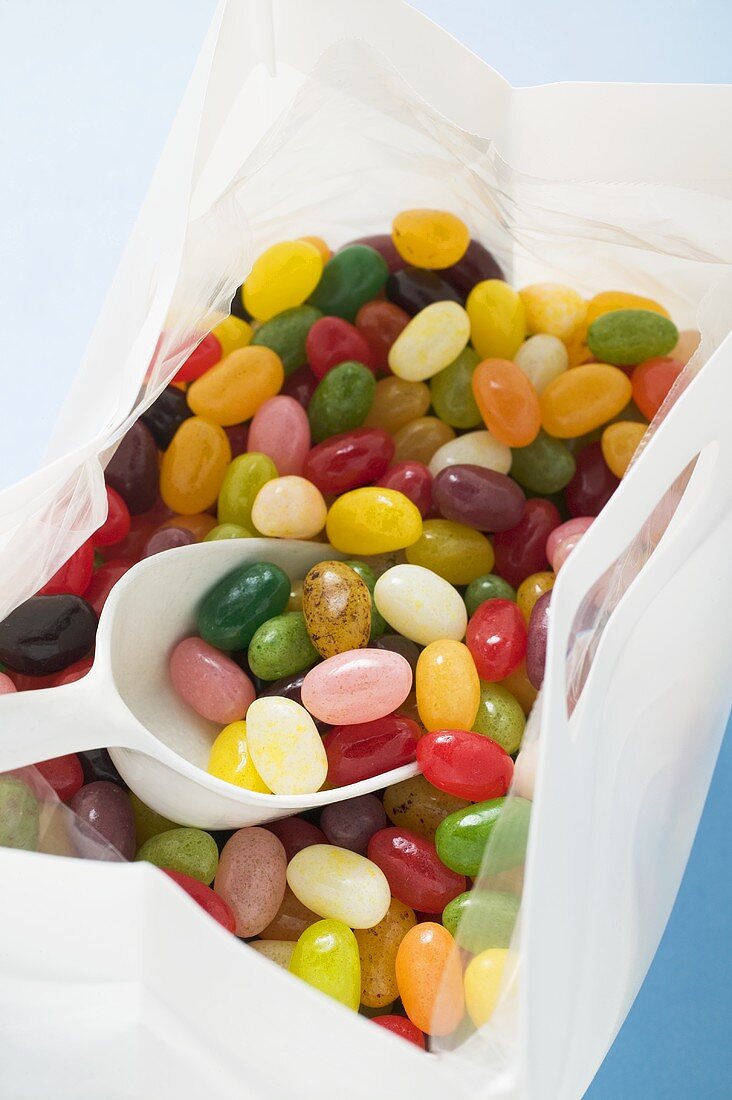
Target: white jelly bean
286	747
420	605
472	449
335	882
430	342
542	358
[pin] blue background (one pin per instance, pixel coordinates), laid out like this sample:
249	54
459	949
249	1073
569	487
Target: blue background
87	93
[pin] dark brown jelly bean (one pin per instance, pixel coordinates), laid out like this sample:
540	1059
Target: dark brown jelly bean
166	415
413	288
47	634
133	469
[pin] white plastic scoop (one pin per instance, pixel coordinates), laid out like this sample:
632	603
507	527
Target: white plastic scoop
127	704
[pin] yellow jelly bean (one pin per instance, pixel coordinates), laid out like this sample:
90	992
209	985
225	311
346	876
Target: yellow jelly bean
430	238
530	589
416	805
448	687
497	319
282	277
326	957
194	465
396	403
289	507
483	978
233	333
231	760
373	521
554	309
377	948
286	747
619	443
233	389
320	244
583	399
430	342
454	551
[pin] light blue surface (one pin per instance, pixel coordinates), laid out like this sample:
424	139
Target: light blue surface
87	93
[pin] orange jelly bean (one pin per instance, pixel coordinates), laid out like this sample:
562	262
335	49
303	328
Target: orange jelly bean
194	465
583	399
652	382
507	401
620	442
429	978
233	389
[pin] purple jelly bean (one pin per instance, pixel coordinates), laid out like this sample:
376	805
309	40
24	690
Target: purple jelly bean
108	810
295	833
476	265
536	643
133	469
478	497
352	823
413	288
167	538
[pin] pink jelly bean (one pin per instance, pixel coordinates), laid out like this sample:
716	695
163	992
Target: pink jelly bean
281	430
359	685
251	878
563	539
6	684
210	682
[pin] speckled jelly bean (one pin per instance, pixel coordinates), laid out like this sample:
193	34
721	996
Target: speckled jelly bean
361	750
352	823
286	334
373	521
281	278
339	884
542	358
251	878
520	551
190	851
194	465
380	323
507	401
429	979
289	508
462	837
497	319
544	466
430	342
281	430
358	686
240	603
420	605
478	497
488	919
415	805
447	684
537	640
420	439
465	764
378	947
209	681
331	341
619	443
337	608
47	634
483	978
414	871
452	393
349	460
236	387
472	449
341	401
496	638
351	278
413	289
628	336
553	309
243	479
285	745
583	399
500	716
326	957
19	815
290	920
281	647
592	484
452	550
230	759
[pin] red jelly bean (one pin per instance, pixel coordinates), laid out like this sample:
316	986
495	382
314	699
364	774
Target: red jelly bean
64	774
520	550
301	385
349	460
331	341
404	1028
116	525
74	575
414	871
592	484
199	361
210	901
467	765
103	581
380	323
364	749
652	382
496	638
295	833
414	480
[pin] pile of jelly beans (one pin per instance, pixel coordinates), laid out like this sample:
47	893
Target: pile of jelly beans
399	401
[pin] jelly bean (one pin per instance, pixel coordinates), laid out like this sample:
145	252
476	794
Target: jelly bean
251	878
279	952
413	288
430	238
204	896
301	385
395	643
564	538
507	401
243	479
331	341
352	823
281	647
397	402
281	430
554	309
286	335
686	345
364	749
290	687
619	443
368	576
209	681
321	246
652	382
341	401
190	851
414	871
359	686
461	839
420	439
147	822
199	524
483	978
523	692
497	319
290	920
131	547
487	587
373	521
420	605
488	919
472	449
629	336
349	460
231	759
337	608
465	764
224	531
414	480
240	603
378	948
452	550
194	466
430	980
107	809
609	301
281	278
544	466
351	277
431	341
542	358
537	640
167	538
417	806
65	774
384	245
19	815
592	484
202	358
236	387
583	399
289	508
117	524
496	638
477	265
232	333
448	689
452	393
478	497
520	551
295	834
380	323
326	957
132	471
47	633
339	884
75	574
97	764
404	1028
103	581
166	415
285	746
531	589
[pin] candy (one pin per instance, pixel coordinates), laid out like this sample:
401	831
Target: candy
204	896
361	750
285	746
487	587
231	759
451	550
507	401
380	323
478	497
397	402
251	878
619	443
63	773
232	333
289	508
281	647
464	764
462	837
377	948
242	481
352	823
326	957
240	603
430	342
97	764
117	524
452	392
500	716
341	401
488	918
199	524
415	805
544	466
280	429
448	689
351	278
420	439
74	575
384	245
236	387
523	692
47	633
167	538
281	278
279	952
414	871
290	687
339	884
290	920
496	638
201	359
497	319
420	605
652	382
584	398
373	521
472	449
554	309
542	358
190	851
531	589
331	341
209	681
103	581
483	979
521	550
414	480
609	301
368	576
477	265
537	640
563	540
430	980
227	531
628	336
301	385
147	822
337	608
395	643
19	815
404	1028
349	460
592	484
194	466
295	833
430	238
358	686
286	335
413	289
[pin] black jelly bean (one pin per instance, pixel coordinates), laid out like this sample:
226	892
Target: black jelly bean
97	765
165	415
413	288
47	634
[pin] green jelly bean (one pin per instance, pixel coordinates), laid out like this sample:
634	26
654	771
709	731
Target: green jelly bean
342	400
326	957
486	919
628	336
545	466
500	717
147	822
281	647
243	479
350	278
369	578
452	392
19	815
286	333
190	851
488	587
462	837
227	531
237	606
